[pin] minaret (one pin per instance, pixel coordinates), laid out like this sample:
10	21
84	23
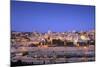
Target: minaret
50	36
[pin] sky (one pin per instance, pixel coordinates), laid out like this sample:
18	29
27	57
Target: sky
41	17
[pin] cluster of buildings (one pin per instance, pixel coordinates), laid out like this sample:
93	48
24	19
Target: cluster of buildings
53	38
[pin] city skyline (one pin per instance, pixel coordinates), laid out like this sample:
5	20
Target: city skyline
41	17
